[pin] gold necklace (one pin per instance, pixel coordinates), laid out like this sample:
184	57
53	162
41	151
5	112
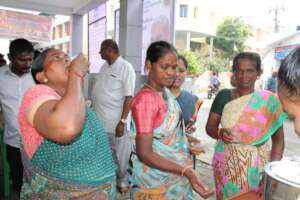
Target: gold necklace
152	88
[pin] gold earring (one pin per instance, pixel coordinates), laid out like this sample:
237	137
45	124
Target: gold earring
45	81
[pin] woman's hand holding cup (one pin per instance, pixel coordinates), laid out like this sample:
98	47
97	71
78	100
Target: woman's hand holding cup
79	65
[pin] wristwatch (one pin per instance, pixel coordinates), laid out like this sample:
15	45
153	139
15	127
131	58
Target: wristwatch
123	120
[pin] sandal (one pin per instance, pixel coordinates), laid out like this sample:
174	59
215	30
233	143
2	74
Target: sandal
123	190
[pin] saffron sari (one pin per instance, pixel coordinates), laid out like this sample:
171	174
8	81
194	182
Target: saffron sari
238	167
169	141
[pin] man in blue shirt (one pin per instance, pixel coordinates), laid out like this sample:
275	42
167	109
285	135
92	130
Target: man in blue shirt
271	83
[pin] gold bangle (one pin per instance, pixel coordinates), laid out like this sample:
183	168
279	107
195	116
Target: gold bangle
185	168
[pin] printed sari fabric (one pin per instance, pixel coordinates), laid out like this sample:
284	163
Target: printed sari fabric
82	169
170	142
238	167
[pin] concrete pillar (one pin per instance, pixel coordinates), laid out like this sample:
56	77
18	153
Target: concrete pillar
77	46
77	34
130	36
188	41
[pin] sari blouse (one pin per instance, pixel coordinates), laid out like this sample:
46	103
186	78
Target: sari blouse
148	110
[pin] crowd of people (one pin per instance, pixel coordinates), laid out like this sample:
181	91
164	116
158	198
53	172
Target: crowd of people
59	147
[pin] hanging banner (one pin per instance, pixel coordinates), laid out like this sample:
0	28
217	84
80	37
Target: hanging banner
35	28
96	34
117	26
158	24
283	51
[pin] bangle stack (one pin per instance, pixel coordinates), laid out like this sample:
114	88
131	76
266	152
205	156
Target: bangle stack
185	168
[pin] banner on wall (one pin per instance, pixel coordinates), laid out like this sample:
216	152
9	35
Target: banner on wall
32	27
158	24
117	25
96	34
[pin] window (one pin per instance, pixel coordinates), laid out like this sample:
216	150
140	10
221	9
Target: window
183	11
67	28
60	30
196	12
66	47
53	33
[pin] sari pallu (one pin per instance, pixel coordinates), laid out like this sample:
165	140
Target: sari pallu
170	142
238	167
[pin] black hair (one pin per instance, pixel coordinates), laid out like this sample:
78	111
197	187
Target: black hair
254	57
20	45
110	43
38	64
181	57
36	54
289	72
2	60
158	49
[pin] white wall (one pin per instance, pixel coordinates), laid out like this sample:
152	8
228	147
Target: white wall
4	44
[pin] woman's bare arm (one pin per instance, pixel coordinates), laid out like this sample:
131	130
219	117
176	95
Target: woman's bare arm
212	125
277	144
62	120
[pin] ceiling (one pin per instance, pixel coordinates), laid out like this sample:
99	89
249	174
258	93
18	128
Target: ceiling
61	7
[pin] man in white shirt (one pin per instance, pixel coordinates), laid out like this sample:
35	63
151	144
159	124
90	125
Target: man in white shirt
15	79
111	99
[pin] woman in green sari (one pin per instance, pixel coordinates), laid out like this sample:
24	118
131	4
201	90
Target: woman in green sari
65	150
248	118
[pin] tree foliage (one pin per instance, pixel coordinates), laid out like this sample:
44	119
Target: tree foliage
194	66
231	36
198	65
217	64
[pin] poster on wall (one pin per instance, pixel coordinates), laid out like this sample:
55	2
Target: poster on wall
97	13
96	34
117	25
158	24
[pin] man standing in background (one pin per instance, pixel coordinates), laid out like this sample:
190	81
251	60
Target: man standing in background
15	79
271	82
111	99
2	60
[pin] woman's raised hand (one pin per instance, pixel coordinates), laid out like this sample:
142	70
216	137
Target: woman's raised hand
230	136
197	185
79	65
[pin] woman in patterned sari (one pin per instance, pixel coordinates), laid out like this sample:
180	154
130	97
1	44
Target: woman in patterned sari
161	164
65	150
248	118
189	104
